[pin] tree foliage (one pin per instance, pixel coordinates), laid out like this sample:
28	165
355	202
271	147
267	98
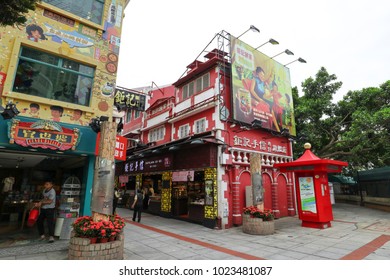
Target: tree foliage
356	129
14	11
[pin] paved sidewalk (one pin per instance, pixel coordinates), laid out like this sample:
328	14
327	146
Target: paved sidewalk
356	233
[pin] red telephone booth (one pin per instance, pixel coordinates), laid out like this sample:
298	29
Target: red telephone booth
312	188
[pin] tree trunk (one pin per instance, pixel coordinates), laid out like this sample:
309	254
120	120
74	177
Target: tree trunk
257	181
103	183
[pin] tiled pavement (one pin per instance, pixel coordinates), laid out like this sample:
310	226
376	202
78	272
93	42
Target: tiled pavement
356	233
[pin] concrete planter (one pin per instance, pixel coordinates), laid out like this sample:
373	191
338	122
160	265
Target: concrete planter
257	226
83	249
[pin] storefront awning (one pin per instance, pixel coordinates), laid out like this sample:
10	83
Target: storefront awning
344	180
377	174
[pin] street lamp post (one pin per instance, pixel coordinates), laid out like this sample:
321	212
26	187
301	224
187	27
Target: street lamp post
286	51
271	41
253	28
300	59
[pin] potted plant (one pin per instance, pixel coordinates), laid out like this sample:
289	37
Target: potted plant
82	226
257	221
85	227
118	224
255	212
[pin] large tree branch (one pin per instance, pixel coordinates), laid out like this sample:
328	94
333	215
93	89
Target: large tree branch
342	153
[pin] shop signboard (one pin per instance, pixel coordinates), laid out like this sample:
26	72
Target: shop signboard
253	142
120	148
148	165
43	134
130	100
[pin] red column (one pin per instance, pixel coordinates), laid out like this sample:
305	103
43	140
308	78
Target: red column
274	194
290	196
275	202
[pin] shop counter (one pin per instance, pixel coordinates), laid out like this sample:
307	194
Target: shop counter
196	212
154	206
180	206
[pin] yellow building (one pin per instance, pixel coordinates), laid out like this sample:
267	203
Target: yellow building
59	69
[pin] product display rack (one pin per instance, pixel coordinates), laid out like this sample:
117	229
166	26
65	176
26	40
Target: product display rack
69	207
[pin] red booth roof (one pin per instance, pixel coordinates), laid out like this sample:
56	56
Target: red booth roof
309	161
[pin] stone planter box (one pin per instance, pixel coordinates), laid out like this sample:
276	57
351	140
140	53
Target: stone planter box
257	226
82	249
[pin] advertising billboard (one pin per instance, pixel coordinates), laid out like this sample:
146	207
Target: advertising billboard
261	89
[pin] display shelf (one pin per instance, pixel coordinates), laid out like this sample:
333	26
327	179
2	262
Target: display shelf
69	207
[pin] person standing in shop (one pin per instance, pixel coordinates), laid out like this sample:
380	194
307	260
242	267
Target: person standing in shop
47	205
138	205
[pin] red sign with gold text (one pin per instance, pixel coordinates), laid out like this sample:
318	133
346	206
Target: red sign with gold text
43	134
120	147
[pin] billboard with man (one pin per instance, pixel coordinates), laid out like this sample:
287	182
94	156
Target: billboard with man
261	89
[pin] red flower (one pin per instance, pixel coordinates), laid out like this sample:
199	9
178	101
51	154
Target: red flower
255	212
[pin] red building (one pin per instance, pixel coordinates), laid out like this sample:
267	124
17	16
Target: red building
196	137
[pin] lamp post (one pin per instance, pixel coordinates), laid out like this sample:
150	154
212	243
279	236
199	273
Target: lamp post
287	51
300	59
271	41
253	28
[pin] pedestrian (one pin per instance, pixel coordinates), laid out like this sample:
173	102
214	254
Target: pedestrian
117	195
47	211
138	205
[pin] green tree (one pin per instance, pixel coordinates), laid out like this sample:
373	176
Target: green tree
315	114
368	126
14	11
355	129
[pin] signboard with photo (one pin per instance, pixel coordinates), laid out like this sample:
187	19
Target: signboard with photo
261	89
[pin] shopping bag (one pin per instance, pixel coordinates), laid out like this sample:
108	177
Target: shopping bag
33	217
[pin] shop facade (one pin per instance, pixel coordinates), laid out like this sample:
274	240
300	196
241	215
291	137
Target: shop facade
57	76
209	183
33	151
184	183
208	124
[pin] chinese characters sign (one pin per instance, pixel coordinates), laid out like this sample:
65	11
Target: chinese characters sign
127	99
120	147
266	146
43	134
150	164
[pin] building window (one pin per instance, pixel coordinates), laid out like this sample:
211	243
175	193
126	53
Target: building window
184	131
137	114
156	134
196	86
200	126
49	76
88	9
128	116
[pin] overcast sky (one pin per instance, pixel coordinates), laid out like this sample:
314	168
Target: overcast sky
350	38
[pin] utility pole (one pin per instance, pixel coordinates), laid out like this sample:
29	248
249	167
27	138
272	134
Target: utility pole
103	181
257	181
